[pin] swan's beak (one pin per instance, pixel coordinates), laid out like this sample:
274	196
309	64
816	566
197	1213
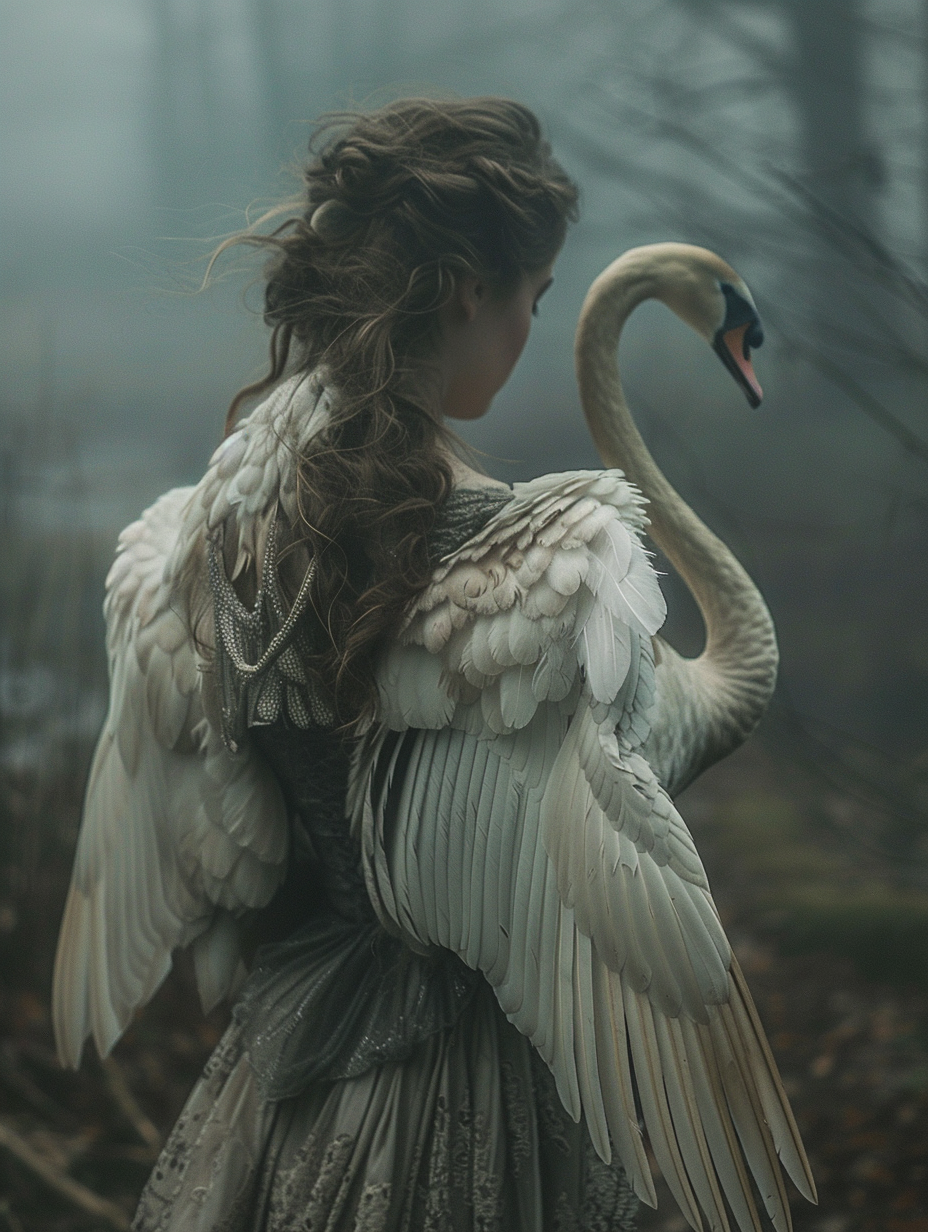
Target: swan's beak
734	350
739	331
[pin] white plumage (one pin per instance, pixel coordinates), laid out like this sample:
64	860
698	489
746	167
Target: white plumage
530	836
510	802
177	837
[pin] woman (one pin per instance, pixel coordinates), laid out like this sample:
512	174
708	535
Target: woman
409	724
361	1085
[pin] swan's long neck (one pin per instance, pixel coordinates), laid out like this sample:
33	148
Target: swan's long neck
737	668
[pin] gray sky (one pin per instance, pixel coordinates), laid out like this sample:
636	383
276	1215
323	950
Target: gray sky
136	131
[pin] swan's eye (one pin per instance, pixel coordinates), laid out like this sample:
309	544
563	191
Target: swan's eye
754	337
535	311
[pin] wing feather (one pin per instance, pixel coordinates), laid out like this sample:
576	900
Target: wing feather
718	1124
409	885
549	857
748	1113
776	1104
564	1066
544	972
420	856
585	1048
619	1096
448	884
687	1120
657	1115
174	829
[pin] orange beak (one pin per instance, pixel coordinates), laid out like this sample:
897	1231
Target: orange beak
735	353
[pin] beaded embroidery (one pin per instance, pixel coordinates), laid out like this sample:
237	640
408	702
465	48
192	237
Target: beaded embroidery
262	654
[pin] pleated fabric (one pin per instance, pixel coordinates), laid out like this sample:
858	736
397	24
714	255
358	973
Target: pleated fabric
465	1135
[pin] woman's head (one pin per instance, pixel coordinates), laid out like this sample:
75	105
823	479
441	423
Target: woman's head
413	216
401	204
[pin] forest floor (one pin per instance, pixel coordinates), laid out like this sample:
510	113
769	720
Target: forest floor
852	1044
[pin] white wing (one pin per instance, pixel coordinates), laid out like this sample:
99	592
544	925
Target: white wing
177	836
515	822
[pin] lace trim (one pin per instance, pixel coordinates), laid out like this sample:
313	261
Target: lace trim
518	1117
314	1187
236	1166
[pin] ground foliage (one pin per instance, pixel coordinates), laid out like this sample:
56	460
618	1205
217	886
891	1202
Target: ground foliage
851	1038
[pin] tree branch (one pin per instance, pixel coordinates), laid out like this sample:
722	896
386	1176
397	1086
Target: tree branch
128	1105
63	1185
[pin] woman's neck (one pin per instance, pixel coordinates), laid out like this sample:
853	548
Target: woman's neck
464	476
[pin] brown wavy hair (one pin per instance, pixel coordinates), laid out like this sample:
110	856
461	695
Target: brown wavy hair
399	204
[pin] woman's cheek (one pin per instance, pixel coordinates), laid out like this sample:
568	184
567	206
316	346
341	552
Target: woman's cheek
516	336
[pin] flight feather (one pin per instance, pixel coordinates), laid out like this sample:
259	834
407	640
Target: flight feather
523	677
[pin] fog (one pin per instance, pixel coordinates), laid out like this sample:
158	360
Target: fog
136	134
790	136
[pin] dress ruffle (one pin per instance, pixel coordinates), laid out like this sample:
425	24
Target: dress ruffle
340	996
465	1135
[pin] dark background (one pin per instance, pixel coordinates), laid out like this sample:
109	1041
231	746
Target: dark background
789	135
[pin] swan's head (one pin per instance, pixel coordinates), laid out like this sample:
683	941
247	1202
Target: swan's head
701	288
739	330
706	292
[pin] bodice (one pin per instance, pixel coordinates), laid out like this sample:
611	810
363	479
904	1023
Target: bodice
339	994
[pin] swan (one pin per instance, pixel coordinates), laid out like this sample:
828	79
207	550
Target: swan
512	799
705	707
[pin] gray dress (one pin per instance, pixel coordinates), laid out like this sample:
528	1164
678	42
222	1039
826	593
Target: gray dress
361	1087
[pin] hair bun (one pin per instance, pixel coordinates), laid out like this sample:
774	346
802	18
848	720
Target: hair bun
332	220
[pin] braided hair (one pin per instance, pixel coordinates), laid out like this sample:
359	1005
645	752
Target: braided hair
399	204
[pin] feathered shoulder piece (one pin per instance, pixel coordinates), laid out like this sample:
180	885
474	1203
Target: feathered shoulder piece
252	474
557	583
177	837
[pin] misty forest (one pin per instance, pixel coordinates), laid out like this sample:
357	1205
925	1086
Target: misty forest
790	137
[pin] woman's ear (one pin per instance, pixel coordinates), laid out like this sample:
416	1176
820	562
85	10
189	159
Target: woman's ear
470	294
